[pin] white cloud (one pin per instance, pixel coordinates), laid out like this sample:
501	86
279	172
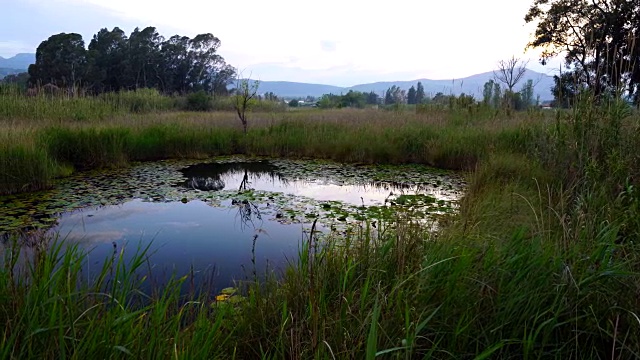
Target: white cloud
443	39
10	48
328	46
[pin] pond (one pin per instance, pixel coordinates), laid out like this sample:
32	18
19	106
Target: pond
224	219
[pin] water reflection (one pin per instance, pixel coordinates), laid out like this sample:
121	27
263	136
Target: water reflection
215	218
211	177
213	243
262	175
248	212
206	184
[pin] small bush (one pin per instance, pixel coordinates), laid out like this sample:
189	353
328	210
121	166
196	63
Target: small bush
199	101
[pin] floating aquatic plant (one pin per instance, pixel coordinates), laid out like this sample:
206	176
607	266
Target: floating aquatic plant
416	191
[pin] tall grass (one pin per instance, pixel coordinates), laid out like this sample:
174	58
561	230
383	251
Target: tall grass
406	296
540	262
60	107
26	169
51	311
396	293
447	141
139	101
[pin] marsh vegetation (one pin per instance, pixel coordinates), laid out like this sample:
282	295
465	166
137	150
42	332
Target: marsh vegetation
540	259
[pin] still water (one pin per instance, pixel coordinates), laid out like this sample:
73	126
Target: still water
226	219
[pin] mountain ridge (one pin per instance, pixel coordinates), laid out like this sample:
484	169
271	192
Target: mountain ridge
18	62
470	85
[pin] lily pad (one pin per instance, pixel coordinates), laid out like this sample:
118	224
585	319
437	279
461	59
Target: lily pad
338	195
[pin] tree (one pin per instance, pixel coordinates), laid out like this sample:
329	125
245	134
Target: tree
294	103
526	94
143	64
598	38
175	64
463	100
115	62
106	53
487	92
20	80
566	88
440	99
353	99
203	56
245	91
388	97
497	95
373	98
190	65
329	101
510	72
221	78
411	96
400	96
270	96
420	95
61	60
394	95
514	100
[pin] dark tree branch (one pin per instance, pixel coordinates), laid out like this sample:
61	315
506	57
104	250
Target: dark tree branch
510	72
245	91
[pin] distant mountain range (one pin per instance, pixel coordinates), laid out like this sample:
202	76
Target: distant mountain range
18	62
471	85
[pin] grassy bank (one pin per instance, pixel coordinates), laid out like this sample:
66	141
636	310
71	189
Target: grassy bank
441	139
541	261
14	105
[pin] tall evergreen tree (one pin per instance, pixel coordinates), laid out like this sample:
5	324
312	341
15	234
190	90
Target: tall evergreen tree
372	98
411	96
526	94
145	59
487	92
388	97
497	95
142	68
420	95
61	60
105	56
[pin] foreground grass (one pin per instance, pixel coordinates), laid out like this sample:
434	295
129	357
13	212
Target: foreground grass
541	261
470	293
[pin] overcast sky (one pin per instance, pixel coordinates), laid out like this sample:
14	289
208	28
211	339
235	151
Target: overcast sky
337	42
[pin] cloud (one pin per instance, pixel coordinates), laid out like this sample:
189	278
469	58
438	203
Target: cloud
342	75
440	40
182	225
33	21
328	46
10	48
93	237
